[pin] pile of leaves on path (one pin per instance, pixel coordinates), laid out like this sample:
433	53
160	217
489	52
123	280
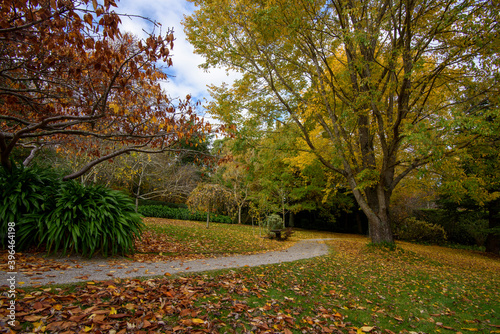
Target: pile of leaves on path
32	263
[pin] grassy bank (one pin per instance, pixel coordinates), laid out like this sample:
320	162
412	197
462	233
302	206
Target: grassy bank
165	238
356	288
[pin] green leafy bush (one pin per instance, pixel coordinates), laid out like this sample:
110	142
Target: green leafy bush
274	222
84	220
25	190
422	231
462	227
162	211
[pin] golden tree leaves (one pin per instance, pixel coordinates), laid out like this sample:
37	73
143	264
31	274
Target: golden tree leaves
210	197
386	92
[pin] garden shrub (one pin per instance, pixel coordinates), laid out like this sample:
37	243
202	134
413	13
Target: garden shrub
25	190
84	220
474	225
422	231
274	222
146	202
462	227
162	211
65	216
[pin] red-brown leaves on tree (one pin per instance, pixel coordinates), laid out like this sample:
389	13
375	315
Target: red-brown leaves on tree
70	78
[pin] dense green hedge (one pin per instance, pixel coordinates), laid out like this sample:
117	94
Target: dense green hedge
66	216
462	227
145	202
422	231
162	211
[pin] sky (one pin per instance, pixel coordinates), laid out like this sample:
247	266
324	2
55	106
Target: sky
186	76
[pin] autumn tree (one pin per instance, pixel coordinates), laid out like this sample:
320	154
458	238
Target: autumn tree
167	176
236	180
69	76
471	181
210	197
382	81
156	176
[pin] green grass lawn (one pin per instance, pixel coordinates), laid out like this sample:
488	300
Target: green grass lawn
191	239
357	288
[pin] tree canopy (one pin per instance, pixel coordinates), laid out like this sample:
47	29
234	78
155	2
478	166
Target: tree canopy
377	88
68	76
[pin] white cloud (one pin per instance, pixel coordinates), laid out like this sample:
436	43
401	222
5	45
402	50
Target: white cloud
187	77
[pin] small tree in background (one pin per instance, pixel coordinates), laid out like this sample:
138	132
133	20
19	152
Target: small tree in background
209	197
238	184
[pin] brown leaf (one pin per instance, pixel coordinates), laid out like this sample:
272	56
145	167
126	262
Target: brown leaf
185	312
146	324
53	326
77	318
99	318
32	318
38	306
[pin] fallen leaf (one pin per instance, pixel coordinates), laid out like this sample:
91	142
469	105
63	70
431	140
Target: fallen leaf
32	318
197	321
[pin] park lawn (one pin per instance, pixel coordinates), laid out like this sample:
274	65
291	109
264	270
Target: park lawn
192	239
357	288
167	238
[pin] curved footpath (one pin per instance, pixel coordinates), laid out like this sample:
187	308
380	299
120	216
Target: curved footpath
97	270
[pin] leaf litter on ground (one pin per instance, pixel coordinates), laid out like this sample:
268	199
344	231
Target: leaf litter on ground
355	289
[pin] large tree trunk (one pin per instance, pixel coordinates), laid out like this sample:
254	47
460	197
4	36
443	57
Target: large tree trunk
374	203
379	223
380	229
493	239
5	161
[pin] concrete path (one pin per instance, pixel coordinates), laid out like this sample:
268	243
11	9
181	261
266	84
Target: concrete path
88	270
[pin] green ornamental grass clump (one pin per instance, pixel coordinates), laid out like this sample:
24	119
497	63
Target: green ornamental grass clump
86	220
67	216
25	190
